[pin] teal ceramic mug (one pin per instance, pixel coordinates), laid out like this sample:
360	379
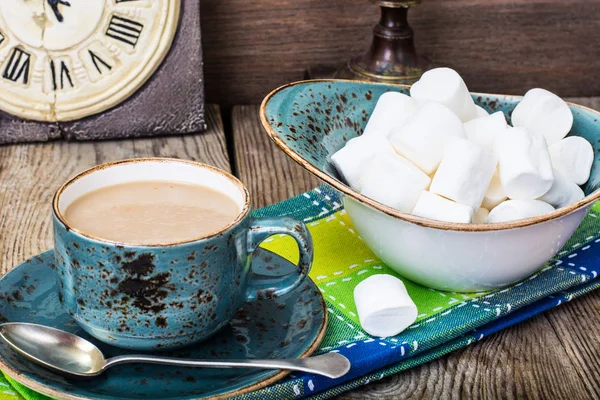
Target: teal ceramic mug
148	297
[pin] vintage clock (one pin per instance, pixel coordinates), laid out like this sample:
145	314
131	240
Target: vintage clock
100	68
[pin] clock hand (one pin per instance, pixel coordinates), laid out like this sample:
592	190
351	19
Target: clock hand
54	5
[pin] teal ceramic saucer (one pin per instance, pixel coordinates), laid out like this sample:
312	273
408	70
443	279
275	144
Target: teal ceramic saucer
289	326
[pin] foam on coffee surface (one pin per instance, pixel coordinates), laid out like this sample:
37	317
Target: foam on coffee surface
477	162
152	212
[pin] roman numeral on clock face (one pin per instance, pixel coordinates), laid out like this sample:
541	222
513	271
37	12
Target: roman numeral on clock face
60	76
124	30
99	63
1	38
17	68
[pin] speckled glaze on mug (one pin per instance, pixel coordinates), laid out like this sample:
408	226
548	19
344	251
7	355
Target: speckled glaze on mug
162	296
311	120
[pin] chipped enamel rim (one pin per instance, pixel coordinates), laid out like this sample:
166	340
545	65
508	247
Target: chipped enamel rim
413	219
242	214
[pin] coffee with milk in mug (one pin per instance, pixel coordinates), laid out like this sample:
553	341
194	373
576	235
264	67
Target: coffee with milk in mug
152	212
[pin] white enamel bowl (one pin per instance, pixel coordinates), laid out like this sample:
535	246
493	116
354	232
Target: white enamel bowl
311	120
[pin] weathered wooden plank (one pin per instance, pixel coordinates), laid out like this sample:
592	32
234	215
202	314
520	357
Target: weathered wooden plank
540	358
30	174
269	174
17	130
501	46
578	325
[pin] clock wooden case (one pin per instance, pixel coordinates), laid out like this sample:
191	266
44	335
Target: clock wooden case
97	69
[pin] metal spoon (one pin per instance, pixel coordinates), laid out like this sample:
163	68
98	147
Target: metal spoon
72	355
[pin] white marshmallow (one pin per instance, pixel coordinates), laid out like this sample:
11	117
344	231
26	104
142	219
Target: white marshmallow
573	156
532	97
481	112
524	165
544	113
435	207
351	159
384	306
523	109
563	191
394	181
445	86
484	131
468	111
511	210
480	215
464	173
494	194
391	112
424	136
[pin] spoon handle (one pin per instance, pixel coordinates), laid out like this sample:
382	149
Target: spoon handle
331	365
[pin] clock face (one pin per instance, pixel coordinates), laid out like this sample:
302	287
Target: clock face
62	60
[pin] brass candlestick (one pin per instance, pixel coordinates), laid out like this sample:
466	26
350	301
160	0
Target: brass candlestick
392	57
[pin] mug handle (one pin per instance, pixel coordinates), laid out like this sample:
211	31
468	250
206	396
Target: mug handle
262	286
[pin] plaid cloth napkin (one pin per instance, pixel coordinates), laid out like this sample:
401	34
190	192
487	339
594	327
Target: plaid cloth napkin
447	321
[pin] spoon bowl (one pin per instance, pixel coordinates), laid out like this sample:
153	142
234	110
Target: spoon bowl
54	349
69	354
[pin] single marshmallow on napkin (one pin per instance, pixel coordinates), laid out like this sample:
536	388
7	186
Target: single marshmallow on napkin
391	112
445	86
494	194
511	210
484	131
464	173
573	156
563	191
544	113
424	137
524	165
351	159
436	207
384	306
394	181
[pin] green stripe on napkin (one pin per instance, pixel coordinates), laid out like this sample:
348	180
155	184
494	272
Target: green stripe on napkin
13	390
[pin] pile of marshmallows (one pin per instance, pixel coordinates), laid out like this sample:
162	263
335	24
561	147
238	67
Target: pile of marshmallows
438	155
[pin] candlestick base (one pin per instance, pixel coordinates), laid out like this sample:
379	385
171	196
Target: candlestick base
392	57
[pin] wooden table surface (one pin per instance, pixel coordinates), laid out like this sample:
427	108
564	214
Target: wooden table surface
553	355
